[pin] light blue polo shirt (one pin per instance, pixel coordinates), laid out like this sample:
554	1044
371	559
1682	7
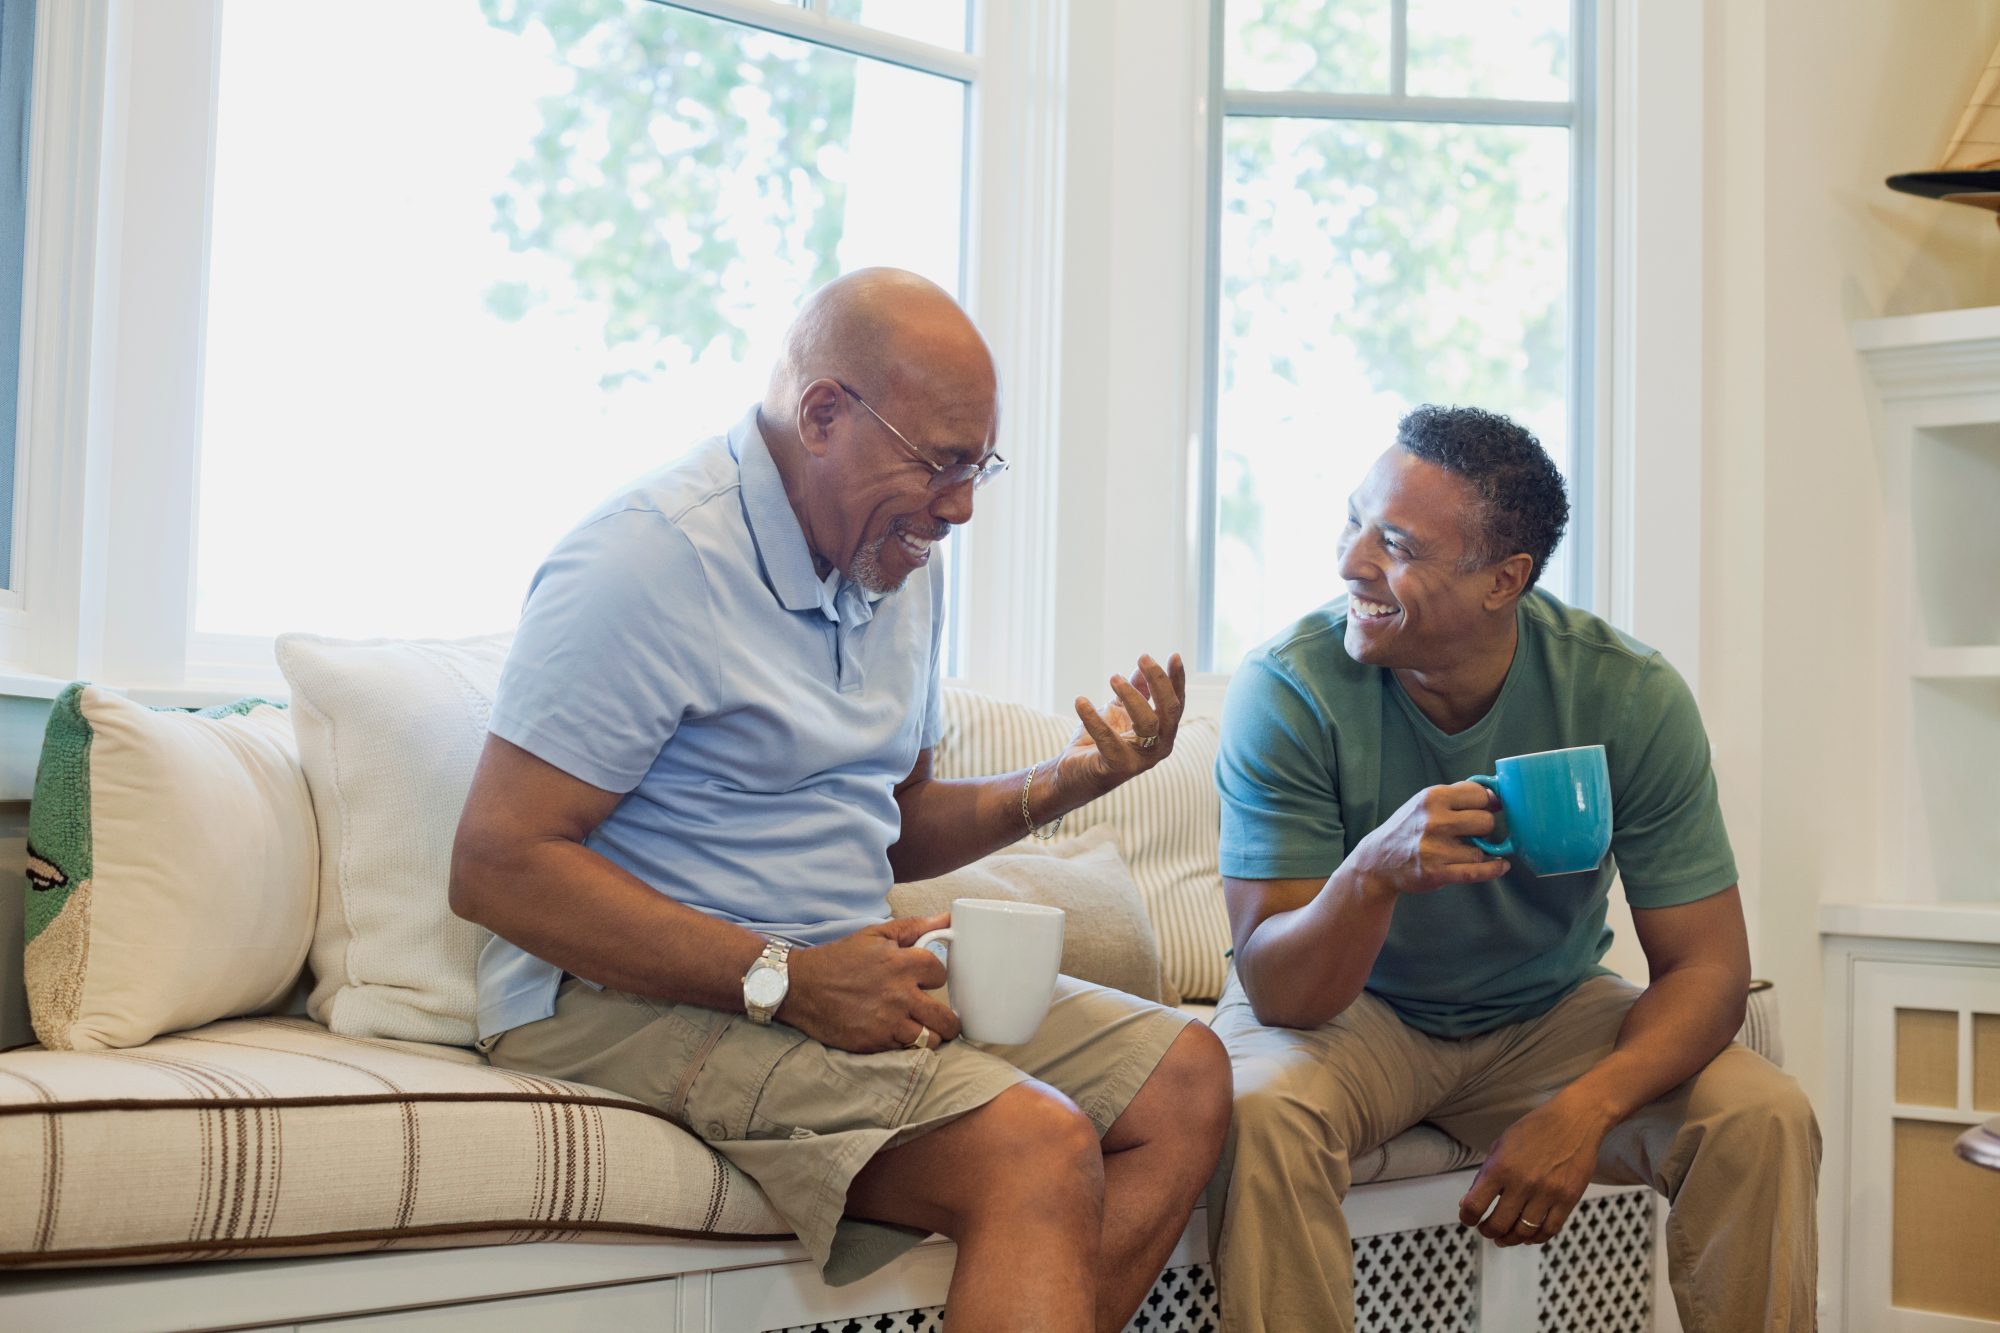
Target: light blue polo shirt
678	648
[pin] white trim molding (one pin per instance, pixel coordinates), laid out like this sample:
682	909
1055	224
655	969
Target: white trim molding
1655	332
65	230
1016	292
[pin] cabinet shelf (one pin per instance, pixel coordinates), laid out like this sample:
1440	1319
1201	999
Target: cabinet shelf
1981	662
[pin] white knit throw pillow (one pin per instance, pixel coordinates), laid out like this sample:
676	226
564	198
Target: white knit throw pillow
1168	822
389	733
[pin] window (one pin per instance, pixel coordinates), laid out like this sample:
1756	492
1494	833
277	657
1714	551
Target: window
467	280
1402	213
17	68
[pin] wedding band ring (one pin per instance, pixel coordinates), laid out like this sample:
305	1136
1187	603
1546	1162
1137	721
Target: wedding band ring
922	1041
1146	742
1532	1226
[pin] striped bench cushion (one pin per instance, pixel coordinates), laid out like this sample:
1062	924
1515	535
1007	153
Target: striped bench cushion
268	1136
1168	822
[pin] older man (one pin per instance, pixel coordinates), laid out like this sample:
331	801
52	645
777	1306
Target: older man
710	755
1389	971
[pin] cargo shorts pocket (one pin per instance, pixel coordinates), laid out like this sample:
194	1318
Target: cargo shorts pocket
727	1083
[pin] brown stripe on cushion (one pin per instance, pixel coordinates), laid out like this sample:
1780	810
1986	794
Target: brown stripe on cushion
571	1152
242	1137
718	1193
205	1122
547	1136
336	1241
412	1149
45	1220
385	1081
599	1164
606	1100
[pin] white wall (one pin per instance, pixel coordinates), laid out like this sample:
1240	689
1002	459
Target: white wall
1810	104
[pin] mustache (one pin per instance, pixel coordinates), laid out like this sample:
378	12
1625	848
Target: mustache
942	530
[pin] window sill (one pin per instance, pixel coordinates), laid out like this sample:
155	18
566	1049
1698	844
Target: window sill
28	685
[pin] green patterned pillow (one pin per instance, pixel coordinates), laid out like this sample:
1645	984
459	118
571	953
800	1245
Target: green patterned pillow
171	867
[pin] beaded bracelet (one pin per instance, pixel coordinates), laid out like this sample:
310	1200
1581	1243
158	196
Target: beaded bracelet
1039	834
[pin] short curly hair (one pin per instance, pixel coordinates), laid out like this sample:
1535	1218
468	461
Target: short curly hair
1522	505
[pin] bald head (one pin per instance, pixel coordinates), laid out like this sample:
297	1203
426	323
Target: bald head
889	334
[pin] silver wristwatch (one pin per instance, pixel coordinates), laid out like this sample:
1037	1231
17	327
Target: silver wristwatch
767	981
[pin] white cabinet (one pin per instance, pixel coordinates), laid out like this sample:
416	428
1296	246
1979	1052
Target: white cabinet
785	1296
1937	382
1911	1233
641	1307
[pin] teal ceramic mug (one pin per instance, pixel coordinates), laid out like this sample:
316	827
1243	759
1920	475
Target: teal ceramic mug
1556	806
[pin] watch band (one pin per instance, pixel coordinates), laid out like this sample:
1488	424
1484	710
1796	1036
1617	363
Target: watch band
773	959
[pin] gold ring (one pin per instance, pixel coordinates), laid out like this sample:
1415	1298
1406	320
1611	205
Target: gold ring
1146	742
1532	1226
922	1041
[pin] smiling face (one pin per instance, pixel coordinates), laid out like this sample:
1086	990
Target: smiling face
883	381
881	515
888	500
1412	604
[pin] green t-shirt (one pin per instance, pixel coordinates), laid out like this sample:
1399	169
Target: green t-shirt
1318	749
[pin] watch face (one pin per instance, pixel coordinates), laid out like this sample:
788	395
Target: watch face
764	987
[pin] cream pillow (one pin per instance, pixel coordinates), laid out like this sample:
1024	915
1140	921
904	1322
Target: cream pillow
1106	937
171	860
389	733
1168	822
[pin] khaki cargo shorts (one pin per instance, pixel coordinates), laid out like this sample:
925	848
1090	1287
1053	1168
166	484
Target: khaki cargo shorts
802	1119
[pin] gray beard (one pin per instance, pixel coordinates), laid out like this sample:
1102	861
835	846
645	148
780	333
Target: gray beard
868	571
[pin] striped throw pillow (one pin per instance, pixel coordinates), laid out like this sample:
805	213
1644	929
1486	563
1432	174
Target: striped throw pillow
1167	822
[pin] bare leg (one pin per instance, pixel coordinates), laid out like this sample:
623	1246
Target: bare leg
1158	1157
1019	1185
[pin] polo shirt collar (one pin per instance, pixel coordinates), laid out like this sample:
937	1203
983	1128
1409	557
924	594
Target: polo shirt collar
774	528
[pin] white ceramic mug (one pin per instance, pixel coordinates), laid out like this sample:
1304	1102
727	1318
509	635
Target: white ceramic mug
1001	966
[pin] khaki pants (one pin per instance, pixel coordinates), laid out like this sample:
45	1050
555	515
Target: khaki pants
802	1119
1735	1148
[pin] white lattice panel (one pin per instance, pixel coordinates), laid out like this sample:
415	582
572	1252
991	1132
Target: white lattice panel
930	1319
1597	1276
1422	1281
1182	1301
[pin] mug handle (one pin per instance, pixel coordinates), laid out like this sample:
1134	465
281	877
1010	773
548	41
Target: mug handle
938	950
1504	847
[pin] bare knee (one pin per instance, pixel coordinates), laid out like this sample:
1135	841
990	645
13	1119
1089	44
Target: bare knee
1185	1101
1205	1076
1194	1079
1033	1141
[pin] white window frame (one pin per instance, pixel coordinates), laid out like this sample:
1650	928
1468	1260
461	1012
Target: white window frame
1087	273
118	276
1587	368
1128	526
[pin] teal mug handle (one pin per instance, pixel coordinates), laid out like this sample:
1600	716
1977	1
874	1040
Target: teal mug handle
1504	847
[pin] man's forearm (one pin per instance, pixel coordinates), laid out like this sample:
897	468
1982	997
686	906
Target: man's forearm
567	905
952	823
1303	967
1671	1033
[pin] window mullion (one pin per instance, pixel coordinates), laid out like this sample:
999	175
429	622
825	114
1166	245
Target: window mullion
1376	106
1214	120
814	26
1399	47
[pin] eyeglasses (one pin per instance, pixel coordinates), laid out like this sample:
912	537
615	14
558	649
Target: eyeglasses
944	476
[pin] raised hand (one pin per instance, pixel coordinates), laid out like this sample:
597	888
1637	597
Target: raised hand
871	991
1134	730
1424	845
